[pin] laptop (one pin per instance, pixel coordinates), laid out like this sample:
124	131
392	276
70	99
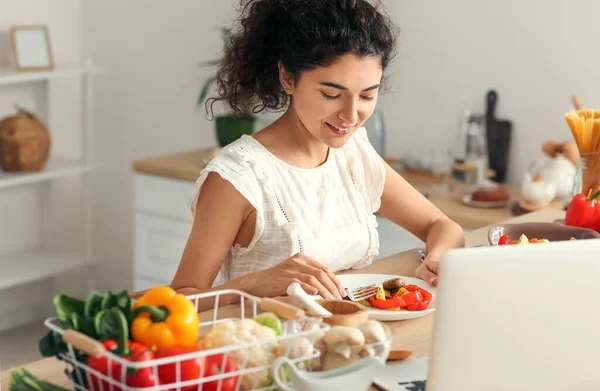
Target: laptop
521	317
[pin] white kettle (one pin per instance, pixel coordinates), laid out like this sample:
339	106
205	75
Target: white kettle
558	171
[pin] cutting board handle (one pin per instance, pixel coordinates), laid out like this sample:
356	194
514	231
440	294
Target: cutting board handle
83	342
281	309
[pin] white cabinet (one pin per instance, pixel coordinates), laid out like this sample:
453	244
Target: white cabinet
162	226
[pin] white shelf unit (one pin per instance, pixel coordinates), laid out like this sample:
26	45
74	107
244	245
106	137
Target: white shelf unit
35	264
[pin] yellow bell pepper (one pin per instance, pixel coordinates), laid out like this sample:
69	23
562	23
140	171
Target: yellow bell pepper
163	318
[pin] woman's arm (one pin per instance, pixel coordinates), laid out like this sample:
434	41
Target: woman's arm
220	213
407	207
224	217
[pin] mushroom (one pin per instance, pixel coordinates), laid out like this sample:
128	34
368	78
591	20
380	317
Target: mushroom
341	346
295	347
393	284
373	332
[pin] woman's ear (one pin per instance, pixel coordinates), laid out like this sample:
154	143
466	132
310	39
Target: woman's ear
286	80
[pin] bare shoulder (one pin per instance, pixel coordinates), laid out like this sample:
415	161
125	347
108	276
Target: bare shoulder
217	192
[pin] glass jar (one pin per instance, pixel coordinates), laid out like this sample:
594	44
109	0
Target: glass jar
587	177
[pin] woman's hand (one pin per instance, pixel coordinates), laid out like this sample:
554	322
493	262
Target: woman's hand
408	208
313	277
428	270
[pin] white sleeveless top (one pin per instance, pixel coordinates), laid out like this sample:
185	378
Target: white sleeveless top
325	212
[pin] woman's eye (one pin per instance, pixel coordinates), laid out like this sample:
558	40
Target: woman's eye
367	98
330	96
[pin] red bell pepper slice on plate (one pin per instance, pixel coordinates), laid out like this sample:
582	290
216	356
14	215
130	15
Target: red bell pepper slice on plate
395	302
425	297
418	299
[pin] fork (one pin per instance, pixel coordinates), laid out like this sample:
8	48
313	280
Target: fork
361	293
364	292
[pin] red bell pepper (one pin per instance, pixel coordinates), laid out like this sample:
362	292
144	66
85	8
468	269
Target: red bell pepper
214	366
418	299
395	302
190	369
136	352
584	212
425	298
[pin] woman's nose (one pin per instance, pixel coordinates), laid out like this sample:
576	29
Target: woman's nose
349	113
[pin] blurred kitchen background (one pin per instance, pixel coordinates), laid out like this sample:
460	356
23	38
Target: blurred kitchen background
134	67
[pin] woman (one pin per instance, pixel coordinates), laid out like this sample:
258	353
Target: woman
296	200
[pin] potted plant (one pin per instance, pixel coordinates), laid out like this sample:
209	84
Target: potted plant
231	125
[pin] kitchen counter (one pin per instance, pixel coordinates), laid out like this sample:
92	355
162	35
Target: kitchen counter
411	334
186	166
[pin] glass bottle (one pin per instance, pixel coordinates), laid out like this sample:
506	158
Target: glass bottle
587	177
375	126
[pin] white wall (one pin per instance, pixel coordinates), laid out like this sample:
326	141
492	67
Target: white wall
534	53
21	208
145	101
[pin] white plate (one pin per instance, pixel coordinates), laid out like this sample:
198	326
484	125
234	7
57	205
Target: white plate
358	280
468	200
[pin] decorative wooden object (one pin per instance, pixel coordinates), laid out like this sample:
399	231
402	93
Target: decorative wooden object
345	313
24	142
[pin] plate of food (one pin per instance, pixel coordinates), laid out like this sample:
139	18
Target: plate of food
487	196
398	297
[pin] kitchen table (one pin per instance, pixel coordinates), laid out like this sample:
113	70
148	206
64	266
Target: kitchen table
411	334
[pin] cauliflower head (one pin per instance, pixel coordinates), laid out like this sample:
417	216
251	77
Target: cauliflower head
242	331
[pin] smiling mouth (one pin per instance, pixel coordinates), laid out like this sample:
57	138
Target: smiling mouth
339	130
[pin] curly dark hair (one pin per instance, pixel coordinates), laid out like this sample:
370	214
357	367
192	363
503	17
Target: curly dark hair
302	34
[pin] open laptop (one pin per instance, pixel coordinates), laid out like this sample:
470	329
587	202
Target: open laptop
521	317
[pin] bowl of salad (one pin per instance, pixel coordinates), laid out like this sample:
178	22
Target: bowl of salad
536	232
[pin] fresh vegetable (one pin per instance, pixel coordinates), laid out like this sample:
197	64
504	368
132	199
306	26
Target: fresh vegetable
584	212
342	346
215	365
163	317
117	325
189	369
271	320
424	298
393	284
97	317
134	352
503	240
522	240
386	304
241	331
407	297
23	380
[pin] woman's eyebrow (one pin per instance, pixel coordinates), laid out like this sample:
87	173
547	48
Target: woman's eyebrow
339	87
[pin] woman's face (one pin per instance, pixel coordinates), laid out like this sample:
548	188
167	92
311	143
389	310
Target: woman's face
332	102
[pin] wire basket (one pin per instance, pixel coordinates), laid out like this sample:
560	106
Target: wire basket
254	360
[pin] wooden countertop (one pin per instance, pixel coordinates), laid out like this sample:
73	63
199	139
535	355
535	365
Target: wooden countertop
413	334
187	166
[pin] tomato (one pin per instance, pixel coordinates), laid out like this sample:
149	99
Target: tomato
503	240
215	366
190	369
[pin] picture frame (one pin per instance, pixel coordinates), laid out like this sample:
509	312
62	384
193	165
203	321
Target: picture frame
31	48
